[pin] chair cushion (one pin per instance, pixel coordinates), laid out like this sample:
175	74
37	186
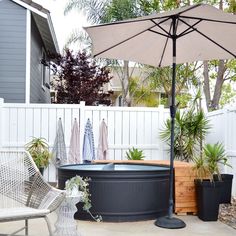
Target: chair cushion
17	213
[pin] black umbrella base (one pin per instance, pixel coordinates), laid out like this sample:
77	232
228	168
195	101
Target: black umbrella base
169	223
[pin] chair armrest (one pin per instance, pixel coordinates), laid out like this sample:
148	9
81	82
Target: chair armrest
44	196
52	199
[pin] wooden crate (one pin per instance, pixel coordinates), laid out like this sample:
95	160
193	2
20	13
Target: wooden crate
185	195
184	189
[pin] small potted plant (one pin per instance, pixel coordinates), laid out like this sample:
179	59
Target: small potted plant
215	155
78	187
135	154
39	150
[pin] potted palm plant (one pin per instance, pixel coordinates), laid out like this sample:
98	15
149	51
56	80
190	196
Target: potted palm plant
216	156
39	150
207	190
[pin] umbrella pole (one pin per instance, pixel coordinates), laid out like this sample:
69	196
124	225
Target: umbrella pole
169	221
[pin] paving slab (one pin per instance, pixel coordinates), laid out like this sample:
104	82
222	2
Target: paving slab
195	227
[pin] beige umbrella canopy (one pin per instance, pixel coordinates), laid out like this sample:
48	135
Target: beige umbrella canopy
193	33
202	33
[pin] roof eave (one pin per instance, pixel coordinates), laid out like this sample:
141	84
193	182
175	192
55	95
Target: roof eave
44	14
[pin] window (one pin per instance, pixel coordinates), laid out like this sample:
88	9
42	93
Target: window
45	71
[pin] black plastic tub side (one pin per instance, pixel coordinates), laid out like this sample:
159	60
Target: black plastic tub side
123	195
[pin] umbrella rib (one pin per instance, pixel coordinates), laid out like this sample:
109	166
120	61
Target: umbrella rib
163	52
117	44
164	49
220	46
153	31
158	25
210	20
188	31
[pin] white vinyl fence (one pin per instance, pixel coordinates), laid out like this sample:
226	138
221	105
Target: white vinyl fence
223	123
127	127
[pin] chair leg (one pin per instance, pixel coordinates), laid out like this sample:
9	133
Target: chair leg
26	227
49	226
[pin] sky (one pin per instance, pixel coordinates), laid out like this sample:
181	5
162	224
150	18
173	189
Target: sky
63	25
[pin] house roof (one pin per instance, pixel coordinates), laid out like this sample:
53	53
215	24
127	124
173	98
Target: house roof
44	23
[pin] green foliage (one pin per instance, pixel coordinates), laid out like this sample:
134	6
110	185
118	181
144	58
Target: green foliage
142	93
215	155
82	186
135	154
161	78
191	127
231	6
183	99
228	95
149	6
208	164
38	149
117	10
201	168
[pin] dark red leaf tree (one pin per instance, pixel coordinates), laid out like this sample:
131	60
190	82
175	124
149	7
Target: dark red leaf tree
78	78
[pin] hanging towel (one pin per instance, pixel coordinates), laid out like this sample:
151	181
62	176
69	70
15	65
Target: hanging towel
102	142
74	155
88	145
59	148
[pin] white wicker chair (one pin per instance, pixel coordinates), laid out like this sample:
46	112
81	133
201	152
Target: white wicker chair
24	194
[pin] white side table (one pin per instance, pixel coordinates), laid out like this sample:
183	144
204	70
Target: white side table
65	224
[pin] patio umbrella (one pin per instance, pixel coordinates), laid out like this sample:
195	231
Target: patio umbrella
59	148
88	145
102	142
198	32
74	153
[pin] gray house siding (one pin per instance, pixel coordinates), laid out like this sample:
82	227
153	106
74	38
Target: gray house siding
12	51
38	94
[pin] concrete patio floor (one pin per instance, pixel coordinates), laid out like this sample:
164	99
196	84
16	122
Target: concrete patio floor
144	228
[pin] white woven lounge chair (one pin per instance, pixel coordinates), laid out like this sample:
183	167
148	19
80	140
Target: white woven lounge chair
24	194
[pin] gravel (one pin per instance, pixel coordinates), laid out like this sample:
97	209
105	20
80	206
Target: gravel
227	213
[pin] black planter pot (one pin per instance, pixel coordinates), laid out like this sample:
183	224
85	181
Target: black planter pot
226	187
208	199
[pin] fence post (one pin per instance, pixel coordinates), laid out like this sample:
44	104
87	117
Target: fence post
81	125
1	121
225	121
161	122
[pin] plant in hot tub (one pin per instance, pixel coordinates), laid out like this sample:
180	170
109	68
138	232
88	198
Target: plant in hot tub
78	186
135	154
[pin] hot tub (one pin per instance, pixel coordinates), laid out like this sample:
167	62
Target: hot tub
122	192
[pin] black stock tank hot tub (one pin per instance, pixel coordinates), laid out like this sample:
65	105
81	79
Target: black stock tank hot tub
122	192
